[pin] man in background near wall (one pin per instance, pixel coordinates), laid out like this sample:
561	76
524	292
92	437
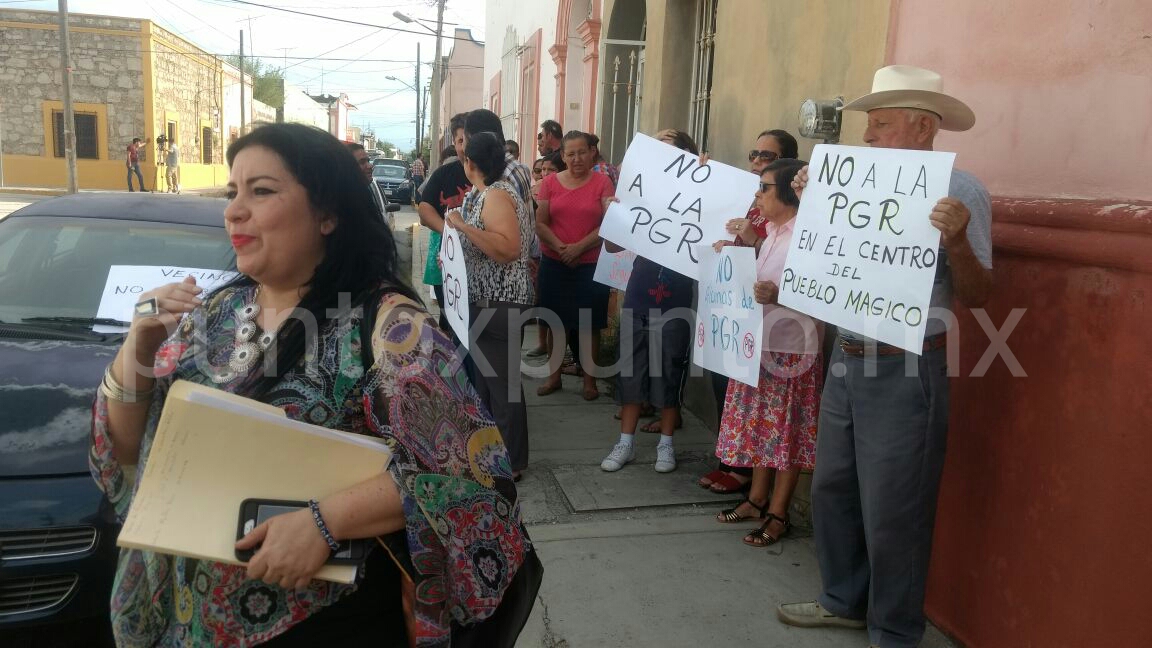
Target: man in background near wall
132	163
549	140
172	160
884	412
366	166
512	148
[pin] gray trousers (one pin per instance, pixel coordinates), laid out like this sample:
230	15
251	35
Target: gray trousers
879	455
494	368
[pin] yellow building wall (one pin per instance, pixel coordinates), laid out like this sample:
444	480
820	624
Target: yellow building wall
771	55
52	173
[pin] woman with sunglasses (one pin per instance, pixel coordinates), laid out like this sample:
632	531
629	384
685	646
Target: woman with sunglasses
769	146
772	427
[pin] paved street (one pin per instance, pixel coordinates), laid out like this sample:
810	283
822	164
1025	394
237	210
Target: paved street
10	202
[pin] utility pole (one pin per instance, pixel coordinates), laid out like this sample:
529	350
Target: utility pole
437	78
69	115
419	150
242	107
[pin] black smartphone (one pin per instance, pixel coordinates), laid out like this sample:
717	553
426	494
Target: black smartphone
254	512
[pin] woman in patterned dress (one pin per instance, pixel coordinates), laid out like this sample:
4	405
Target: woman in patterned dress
495	229
772	427
307	239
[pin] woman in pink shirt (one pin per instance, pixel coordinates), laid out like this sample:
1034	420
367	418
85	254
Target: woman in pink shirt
773	426
569	209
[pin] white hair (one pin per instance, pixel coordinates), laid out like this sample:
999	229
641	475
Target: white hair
913	114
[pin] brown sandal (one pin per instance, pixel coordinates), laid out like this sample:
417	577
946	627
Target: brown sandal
730	516
761	538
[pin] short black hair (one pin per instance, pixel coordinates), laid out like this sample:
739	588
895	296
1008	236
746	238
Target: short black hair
482	120
557	160
353	146
783	170
553	128
512	147
574	135
486	150
449	151
456	123
136	140
788	146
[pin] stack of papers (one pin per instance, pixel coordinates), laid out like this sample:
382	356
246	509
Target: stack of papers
213	450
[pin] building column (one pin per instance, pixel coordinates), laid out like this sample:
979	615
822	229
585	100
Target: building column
589	31
560	58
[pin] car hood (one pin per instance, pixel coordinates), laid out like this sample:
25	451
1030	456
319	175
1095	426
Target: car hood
46	394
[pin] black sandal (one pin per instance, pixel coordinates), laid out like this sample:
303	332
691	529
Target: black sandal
730	516
760	538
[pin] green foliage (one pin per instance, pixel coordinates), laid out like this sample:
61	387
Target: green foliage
267	80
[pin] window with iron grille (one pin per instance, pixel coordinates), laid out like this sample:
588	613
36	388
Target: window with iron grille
705	42
206	145
87	142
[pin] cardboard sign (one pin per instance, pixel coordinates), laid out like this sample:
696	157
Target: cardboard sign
729	331
126	283
455	306
614	268
864	252
668	204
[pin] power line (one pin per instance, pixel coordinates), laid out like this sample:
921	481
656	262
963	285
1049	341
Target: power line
342	20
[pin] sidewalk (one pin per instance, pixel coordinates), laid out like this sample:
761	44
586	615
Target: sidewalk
635	558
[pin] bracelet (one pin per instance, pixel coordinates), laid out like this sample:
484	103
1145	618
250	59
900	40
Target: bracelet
113	390
314	506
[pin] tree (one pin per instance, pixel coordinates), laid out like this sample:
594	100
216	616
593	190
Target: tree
267	80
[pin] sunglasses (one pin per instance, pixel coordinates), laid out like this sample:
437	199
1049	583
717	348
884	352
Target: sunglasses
764	186
767	156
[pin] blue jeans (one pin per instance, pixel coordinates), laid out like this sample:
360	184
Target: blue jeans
136	168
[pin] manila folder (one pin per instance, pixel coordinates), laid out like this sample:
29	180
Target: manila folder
213	450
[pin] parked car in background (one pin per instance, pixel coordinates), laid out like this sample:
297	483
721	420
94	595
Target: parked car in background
393	179
57	531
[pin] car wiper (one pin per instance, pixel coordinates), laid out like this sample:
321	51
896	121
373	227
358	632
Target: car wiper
82	321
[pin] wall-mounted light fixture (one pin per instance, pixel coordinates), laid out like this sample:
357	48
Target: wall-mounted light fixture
820	119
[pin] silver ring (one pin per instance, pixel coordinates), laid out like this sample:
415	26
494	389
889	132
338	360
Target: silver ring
147	308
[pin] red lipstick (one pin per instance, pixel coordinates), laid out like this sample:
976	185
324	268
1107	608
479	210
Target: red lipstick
239	240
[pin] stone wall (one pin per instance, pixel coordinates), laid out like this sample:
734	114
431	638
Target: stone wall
186	87
107	69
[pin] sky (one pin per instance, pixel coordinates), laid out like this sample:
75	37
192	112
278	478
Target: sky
317	54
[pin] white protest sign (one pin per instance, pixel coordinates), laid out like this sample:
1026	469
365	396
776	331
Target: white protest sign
864	252
126	283
729	330
668	204
614	268
455	306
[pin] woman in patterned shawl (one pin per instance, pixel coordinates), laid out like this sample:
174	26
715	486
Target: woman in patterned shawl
350	348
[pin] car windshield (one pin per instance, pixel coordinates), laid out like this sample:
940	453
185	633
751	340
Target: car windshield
55	267
388	171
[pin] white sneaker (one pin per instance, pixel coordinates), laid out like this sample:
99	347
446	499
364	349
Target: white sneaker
622	453
665	458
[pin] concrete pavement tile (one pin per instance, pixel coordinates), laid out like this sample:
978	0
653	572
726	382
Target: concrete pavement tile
588	488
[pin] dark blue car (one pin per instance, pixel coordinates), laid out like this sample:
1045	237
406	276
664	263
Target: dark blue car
57	532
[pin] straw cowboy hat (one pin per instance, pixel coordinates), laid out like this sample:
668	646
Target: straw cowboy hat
905	86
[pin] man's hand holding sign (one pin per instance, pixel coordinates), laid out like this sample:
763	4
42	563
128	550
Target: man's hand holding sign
868	231
668	202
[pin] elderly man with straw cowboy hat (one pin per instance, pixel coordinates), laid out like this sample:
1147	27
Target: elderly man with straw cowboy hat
884	414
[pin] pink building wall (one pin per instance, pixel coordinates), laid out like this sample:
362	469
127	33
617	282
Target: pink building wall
1043	517
1062	90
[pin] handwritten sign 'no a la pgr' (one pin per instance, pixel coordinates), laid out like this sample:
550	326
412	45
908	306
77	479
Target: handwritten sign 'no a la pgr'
864	253
668	204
